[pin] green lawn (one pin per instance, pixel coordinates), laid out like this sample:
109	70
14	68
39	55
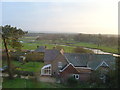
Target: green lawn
23	83
29	66
33	46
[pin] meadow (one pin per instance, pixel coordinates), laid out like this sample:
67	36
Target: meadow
31	44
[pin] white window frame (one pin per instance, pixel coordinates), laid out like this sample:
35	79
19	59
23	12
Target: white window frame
46	68
76	75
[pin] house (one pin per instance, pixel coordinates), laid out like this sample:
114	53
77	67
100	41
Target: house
62	65
85	64
51	58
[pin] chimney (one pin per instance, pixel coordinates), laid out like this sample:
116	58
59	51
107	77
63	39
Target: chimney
62	51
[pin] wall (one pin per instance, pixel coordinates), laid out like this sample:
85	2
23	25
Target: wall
59	58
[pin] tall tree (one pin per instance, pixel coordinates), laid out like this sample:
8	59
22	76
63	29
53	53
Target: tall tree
10	37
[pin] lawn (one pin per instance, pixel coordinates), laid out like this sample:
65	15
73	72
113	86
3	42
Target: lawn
23	83
29	66
33	46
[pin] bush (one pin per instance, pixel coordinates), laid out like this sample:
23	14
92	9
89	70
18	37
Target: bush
34	56
24	73
72	81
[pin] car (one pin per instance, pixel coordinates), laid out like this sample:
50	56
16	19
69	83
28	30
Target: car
4	68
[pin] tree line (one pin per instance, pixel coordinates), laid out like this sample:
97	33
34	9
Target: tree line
101	39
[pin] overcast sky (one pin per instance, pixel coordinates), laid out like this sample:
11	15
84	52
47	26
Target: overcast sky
83	16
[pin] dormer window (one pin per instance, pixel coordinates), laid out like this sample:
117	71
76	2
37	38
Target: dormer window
59	64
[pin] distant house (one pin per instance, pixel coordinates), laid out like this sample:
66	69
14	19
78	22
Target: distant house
63	65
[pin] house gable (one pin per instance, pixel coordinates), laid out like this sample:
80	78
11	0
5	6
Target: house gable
103	64
54	63
69	69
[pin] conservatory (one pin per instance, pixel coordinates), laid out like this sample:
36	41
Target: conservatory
46	70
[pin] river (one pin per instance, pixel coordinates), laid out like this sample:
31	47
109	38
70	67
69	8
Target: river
96	51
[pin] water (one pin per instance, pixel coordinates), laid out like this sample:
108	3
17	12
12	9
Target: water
97	51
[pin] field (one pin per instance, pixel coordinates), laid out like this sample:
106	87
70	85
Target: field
103	48
31	44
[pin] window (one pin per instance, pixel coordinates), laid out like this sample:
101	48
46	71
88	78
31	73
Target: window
46	70
76	76
59	64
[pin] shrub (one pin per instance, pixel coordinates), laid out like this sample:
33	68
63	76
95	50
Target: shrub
24	73
34	56
71	81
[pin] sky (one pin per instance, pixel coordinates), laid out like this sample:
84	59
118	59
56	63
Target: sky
72	16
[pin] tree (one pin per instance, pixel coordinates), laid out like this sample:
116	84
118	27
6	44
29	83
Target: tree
10	36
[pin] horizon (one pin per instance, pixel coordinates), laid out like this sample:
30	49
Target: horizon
88	16
70	33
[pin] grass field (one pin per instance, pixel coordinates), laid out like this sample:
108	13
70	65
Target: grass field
103	48
29	66
23	83
32	45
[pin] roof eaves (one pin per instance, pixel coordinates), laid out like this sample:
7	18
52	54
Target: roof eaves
66	67
101	65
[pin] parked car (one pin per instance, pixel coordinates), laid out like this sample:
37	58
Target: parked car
3	69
